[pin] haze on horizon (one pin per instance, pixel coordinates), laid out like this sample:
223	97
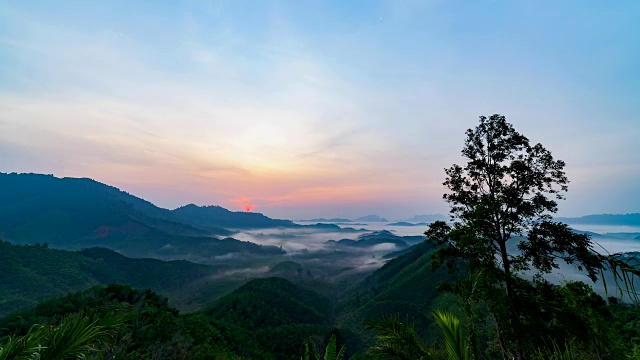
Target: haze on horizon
317	109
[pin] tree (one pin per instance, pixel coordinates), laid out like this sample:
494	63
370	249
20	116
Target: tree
501	206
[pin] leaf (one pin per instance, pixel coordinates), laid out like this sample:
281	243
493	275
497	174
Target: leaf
454	341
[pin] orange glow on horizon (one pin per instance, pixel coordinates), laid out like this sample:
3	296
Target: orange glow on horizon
244	203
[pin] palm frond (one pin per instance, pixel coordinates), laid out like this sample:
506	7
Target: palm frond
76	336
624	268
20	347
310	351
557	354
396	339
331	352
454	341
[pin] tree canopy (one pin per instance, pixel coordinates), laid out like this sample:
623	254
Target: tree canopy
501	206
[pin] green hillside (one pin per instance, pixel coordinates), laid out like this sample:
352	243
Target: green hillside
405	285
208	217
266	318
270	318
153	329
30	274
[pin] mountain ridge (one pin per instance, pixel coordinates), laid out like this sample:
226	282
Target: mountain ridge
33	273
74	213
630	219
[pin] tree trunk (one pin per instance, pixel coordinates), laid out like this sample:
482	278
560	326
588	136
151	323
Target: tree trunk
505	355
510	293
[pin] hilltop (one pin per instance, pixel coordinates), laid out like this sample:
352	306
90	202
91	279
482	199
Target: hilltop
604	219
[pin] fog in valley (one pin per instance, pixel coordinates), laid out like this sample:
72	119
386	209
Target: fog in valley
313	253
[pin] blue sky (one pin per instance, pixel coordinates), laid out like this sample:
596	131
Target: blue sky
317	108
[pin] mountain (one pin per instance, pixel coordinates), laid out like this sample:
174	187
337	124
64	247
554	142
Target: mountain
405	285
332	220
590	233
395	254
29	201
267	318
365	243
605	219
377	238
30	274
212	217
372	218
389	236
404	223
71	213
428	218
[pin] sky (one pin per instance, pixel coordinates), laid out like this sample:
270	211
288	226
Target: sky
303	109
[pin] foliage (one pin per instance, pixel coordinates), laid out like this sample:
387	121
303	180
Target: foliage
626	323
406	286
30	274
396	339
453	338
331	352
568	353
75	336
268	317
501	204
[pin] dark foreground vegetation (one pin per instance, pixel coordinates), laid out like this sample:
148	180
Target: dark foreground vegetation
272	318
475	289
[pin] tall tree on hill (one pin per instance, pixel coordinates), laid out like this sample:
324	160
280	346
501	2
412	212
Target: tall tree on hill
502	200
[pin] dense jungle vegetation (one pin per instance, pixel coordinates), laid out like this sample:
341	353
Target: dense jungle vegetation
272	318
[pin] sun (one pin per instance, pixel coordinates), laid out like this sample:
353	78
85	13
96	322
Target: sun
244	203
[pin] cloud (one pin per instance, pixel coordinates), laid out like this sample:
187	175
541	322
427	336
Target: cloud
222	101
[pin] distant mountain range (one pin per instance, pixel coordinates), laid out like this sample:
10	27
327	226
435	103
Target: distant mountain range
428	218
76	213
414	220
367	218
333	220
404	223
378	238
372	218
604	219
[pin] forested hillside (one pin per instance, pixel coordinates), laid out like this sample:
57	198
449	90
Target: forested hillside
212	217
71	213
406	286
30	274
271	318
266	318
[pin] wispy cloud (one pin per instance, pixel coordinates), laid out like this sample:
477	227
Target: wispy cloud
208	103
